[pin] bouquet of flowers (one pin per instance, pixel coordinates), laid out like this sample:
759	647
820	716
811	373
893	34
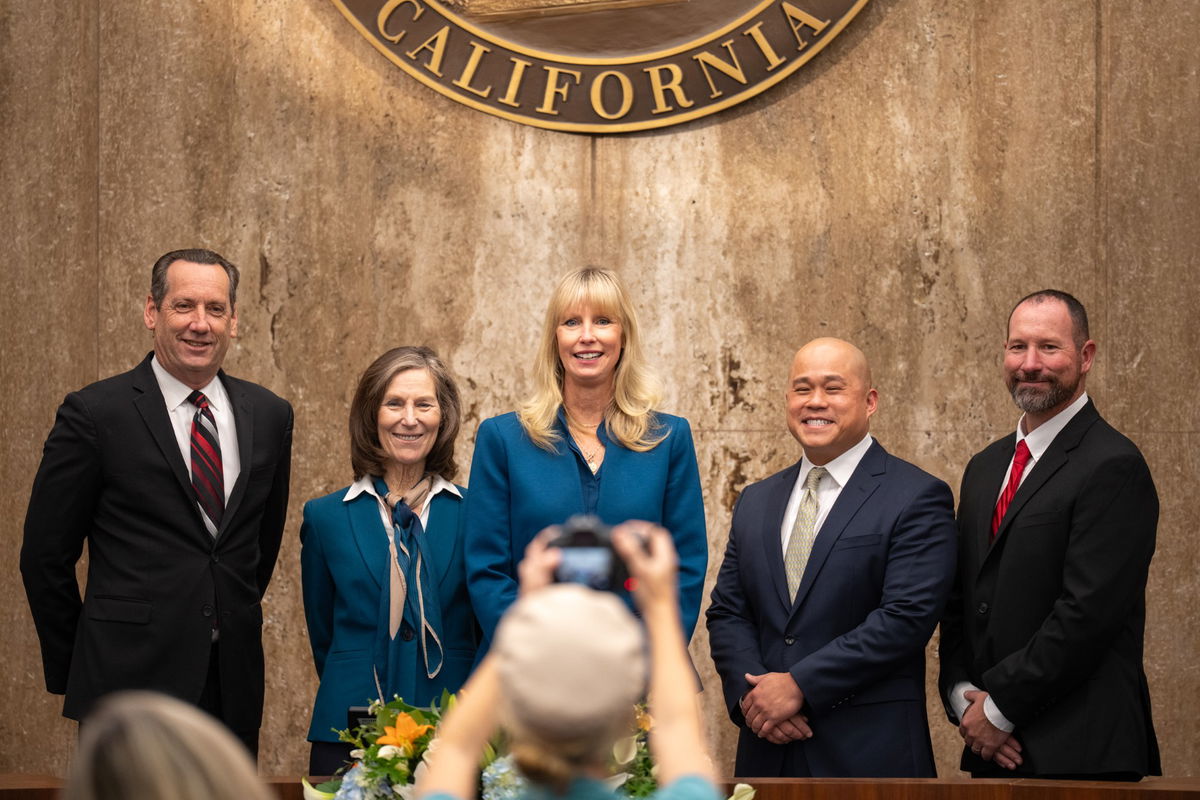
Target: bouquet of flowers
635	775
390	751
394	747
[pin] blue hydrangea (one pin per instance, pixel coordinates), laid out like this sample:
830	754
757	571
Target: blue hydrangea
502	781
351	789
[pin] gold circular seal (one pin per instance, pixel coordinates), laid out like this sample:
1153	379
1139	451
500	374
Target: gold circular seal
600	66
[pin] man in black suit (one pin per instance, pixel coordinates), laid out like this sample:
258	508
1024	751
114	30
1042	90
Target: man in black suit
1041	647
836	573
181	499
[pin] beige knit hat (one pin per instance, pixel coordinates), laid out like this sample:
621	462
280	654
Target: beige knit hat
572	663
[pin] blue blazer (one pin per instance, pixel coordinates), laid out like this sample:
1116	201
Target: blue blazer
517	489
854	639
344	570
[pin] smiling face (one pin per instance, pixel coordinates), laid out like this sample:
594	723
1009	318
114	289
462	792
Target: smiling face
589	346
195	322
409	418
829	398
1044	367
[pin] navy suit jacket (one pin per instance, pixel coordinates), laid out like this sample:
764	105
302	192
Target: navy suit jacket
1049	617
112	475
344	563
874	588
517	489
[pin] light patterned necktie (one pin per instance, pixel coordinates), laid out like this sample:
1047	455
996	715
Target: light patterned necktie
804	532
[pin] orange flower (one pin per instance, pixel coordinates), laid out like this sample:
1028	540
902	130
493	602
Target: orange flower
404	733
643	719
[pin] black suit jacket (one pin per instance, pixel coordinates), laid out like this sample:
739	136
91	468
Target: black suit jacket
1049	617
112	475
854	639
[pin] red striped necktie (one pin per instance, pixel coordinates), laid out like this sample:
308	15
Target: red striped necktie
208	475
1020	459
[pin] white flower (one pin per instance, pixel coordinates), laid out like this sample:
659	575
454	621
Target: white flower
389	751
743	791
614	782
624	750
420	771
404	792
357	754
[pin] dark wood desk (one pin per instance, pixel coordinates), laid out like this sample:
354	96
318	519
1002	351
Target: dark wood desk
46	787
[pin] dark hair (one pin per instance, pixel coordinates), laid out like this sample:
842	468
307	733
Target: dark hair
1079	319
367	456
158	275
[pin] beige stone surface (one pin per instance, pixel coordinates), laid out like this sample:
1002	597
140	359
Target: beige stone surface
48	197
936	162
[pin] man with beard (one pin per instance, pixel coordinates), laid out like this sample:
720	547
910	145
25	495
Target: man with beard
1041	646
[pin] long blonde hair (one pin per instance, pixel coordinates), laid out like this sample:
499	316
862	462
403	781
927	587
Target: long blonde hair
143	744
629	418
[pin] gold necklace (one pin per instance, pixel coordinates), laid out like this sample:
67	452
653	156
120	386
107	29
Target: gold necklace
588	456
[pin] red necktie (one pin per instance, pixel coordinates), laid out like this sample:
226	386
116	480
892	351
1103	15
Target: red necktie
1020	459
208	476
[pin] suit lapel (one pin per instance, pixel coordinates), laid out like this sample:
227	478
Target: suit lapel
243	420
772	527
370	537
862	484
153	410
441	537
1055	457
987	494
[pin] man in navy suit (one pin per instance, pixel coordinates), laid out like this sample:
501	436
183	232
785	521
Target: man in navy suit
836	572
176	476
1041	647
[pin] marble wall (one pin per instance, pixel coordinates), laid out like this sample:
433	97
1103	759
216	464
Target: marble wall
936	162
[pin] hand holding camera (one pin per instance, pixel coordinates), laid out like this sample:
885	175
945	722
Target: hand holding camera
634	556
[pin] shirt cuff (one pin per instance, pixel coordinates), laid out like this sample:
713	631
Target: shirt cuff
958	697
992	712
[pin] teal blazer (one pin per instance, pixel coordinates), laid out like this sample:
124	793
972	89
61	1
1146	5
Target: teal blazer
517	488
344	570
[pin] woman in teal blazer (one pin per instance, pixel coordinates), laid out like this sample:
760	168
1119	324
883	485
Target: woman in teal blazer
381	561
588	441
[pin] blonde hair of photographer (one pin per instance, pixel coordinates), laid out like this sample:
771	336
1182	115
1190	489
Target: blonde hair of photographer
677	738
153	747
636	390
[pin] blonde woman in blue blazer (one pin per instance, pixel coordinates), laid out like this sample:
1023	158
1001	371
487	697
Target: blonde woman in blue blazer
589	440
381	561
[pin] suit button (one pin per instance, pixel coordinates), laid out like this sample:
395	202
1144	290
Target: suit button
207	610
982	608
789	640
406	632
216	559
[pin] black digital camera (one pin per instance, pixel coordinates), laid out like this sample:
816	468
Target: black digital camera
588	557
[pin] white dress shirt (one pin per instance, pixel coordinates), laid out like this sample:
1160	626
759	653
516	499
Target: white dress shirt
840	469
1038	441
175	392
367	484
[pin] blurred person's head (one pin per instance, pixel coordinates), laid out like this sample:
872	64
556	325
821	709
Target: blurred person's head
152	747
572	666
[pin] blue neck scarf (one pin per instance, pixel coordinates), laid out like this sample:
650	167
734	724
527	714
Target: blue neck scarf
422	619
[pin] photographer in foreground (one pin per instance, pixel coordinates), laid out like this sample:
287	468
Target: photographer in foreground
566	668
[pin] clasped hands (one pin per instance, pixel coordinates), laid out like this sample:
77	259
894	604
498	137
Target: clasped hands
985	739
772	708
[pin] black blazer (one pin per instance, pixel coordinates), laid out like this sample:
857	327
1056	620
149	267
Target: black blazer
1049	618
854	639
112	475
